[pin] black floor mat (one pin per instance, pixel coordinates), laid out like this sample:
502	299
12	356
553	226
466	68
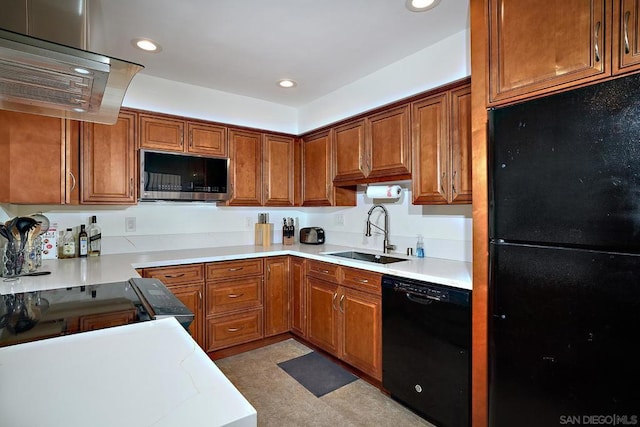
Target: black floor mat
317	374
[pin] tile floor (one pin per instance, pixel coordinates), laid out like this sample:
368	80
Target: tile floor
281	401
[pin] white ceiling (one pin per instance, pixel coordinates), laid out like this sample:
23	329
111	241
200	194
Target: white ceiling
245	46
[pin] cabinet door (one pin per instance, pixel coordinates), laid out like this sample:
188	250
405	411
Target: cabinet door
33	149
626	32
317	186
191	296
536	49
388	138
322	315
461	145
208	140
276	296
245	152
278	170
362	331
348	152
161	133
298	306
430	135
108	161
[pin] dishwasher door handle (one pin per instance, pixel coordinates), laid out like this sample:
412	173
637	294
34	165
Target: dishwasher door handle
420	300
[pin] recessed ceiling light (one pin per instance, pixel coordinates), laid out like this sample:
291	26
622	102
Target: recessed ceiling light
287	83
147	45
421	5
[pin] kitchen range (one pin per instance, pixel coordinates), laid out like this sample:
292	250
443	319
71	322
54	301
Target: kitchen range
34	315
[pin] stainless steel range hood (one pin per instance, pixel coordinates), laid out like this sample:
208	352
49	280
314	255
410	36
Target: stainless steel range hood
44	77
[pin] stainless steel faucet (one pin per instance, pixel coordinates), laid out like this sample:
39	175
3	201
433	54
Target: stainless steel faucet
386	246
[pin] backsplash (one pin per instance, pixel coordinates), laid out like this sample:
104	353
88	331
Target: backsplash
160	226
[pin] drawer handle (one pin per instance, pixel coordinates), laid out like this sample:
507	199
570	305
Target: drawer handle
364	281
234	295
235	269
173	276
234	329
324	271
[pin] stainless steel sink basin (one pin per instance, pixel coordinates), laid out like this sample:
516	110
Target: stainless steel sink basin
362	256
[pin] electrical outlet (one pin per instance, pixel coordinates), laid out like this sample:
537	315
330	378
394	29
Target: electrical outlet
338	219
248	223
130	223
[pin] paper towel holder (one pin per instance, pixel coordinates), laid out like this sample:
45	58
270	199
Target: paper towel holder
383	192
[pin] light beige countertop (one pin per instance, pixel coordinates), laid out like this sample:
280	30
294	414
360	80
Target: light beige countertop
121	267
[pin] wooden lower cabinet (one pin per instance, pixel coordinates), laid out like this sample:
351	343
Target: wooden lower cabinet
225	331
276	296
346	323
186	282
93	322
298	304
322	315
362	331
191	296
234	311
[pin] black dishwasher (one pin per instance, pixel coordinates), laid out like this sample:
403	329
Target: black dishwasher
426	342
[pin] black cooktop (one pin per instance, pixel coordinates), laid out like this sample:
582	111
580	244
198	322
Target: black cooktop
29	316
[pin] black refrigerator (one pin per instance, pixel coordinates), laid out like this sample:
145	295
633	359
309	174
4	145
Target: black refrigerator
564	288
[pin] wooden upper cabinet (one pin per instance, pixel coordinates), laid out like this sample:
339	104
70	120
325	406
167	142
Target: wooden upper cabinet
461	145
317	187
534	49
245	153
207	139
441	134
159	132
108	161
278	166
430	149
349	152
34	151
317	174
389	144
372	149
626	36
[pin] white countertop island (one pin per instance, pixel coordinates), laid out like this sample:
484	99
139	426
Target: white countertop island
143	374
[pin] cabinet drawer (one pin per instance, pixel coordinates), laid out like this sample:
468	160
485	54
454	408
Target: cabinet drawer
324	270
234	329
223	297
361	279
231	269
176	274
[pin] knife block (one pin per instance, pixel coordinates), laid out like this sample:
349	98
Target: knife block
263	234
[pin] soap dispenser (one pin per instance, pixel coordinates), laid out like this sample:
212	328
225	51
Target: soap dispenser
420	247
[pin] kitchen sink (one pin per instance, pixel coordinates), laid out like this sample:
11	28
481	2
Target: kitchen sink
363	256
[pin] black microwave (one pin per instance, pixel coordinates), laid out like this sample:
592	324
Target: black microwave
183	177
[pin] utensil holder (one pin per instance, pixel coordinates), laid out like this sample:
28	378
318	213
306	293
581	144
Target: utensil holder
16	261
